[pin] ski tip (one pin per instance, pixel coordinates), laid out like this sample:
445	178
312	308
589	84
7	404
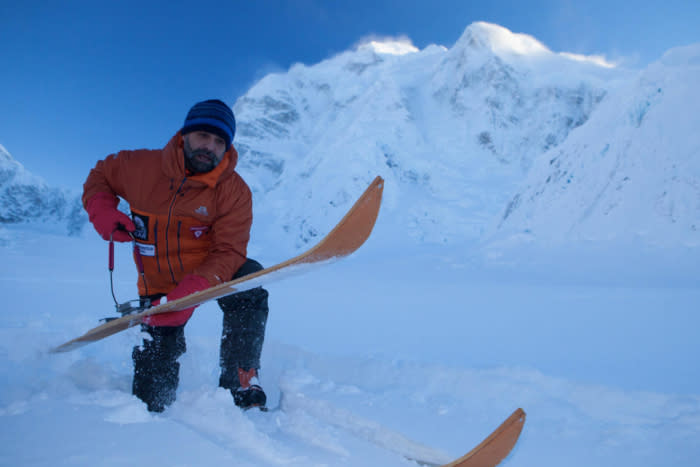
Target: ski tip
497	446
518	415
377	184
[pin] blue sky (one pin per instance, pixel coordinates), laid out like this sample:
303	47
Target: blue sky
83	79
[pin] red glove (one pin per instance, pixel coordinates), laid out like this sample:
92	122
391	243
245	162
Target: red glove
189	284
107	219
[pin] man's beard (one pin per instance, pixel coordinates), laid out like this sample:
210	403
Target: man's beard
200	160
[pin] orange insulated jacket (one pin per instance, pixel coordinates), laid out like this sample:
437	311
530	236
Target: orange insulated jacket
185	224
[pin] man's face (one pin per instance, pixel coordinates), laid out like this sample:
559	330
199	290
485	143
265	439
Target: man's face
203	151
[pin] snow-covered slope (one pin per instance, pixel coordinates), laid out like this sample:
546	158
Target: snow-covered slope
373	356
26	198
632	172
452	131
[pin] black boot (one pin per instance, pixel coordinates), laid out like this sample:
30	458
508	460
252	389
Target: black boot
249	394
156	370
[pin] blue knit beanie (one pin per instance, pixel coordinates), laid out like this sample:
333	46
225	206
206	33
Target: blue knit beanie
213	116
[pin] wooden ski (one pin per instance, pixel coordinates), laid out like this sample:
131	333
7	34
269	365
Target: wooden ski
346	237
496	447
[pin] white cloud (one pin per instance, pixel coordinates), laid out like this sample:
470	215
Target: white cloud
599	60
400	45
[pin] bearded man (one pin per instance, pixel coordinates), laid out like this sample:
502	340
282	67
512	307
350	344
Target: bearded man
194	213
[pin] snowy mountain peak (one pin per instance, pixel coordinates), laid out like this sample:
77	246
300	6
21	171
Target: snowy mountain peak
389	46
26	198
450	130
488	39
4	155
12	171
499	40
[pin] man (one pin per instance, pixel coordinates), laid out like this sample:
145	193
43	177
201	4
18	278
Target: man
191	215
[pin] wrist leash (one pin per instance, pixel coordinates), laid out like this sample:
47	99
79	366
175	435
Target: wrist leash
131	306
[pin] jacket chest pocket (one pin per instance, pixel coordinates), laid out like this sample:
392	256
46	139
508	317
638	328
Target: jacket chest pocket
193	238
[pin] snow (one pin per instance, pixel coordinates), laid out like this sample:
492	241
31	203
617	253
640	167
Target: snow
501	40
26	198
377	354
454	131
632	170
537	247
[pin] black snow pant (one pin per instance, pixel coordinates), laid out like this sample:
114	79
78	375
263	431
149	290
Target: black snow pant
156	370
243	331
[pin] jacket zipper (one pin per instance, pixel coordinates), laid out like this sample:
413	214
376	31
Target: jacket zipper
155	243
167	230
179	249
